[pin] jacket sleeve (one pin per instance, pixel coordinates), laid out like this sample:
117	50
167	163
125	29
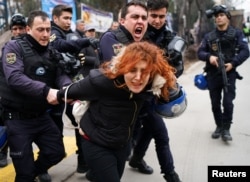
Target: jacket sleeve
81	90
203	50
13	69
63	45
243	50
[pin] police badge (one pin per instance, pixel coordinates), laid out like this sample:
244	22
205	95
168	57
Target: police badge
214	47
11	58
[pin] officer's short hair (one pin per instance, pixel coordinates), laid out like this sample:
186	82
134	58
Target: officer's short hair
157	4
34	14
58	9
124	9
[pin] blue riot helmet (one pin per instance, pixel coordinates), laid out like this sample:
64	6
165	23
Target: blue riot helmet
200	81
3	136
175	107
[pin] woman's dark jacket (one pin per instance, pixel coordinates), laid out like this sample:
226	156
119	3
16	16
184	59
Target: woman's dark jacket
112	113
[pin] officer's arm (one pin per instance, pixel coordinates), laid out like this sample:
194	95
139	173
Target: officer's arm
243	50
203	50
81	90
63	45
13	68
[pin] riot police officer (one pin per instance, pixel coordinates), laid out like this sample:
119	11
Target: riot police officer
17	28
17	25
224	48
61	40
29	79
153	125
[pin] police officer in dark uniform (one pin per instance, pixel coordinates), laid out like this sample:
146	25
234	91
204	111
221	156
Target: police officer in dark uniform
133	26
61	26
153	125
234	51
29	78
17	28
63	39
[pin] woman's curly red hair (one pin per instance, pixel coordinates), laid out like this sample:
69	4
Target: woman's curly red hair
148	52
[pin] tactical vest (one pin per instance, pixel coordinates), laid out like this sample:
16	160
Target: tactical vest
228	43
37	68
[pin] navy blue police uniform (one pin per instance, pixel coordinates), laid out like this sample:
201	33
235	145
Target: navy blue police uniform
58	40
28	72
154	125
63	42
235	49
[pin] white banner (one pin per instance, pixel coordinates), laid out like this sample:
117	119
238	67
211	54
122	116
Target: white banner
98	19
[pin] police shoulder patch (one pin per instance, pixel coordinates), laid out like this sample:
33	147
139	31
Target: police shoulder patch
52	37
11	58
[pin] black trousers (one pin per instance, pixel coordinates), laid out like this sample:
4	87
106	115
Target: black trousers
154	127
222	102
105	164
45	134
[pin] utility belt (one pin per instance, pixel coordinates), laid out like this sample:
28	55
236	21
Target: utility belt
12	115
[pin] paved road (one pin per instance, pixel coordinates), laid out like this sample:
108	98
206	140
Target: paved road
190	138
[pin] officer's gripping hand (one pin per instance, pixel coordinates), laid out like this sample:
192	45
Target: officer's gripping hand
52	96
81	57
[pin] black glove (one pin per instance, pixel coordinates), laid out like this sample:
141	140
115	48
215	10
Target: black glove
94	42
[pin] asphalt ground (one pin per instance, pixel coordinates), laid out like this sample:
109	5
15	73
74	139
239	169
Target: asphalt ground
191	144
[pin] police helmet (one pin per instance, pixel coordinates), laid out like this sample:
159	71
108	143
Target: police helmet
221	9
173	108
200	81
3	136
17	19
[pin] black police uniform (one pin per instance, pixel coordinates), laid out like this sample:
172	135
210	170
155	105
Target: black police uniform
59	40
26	76
153	125
235	49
